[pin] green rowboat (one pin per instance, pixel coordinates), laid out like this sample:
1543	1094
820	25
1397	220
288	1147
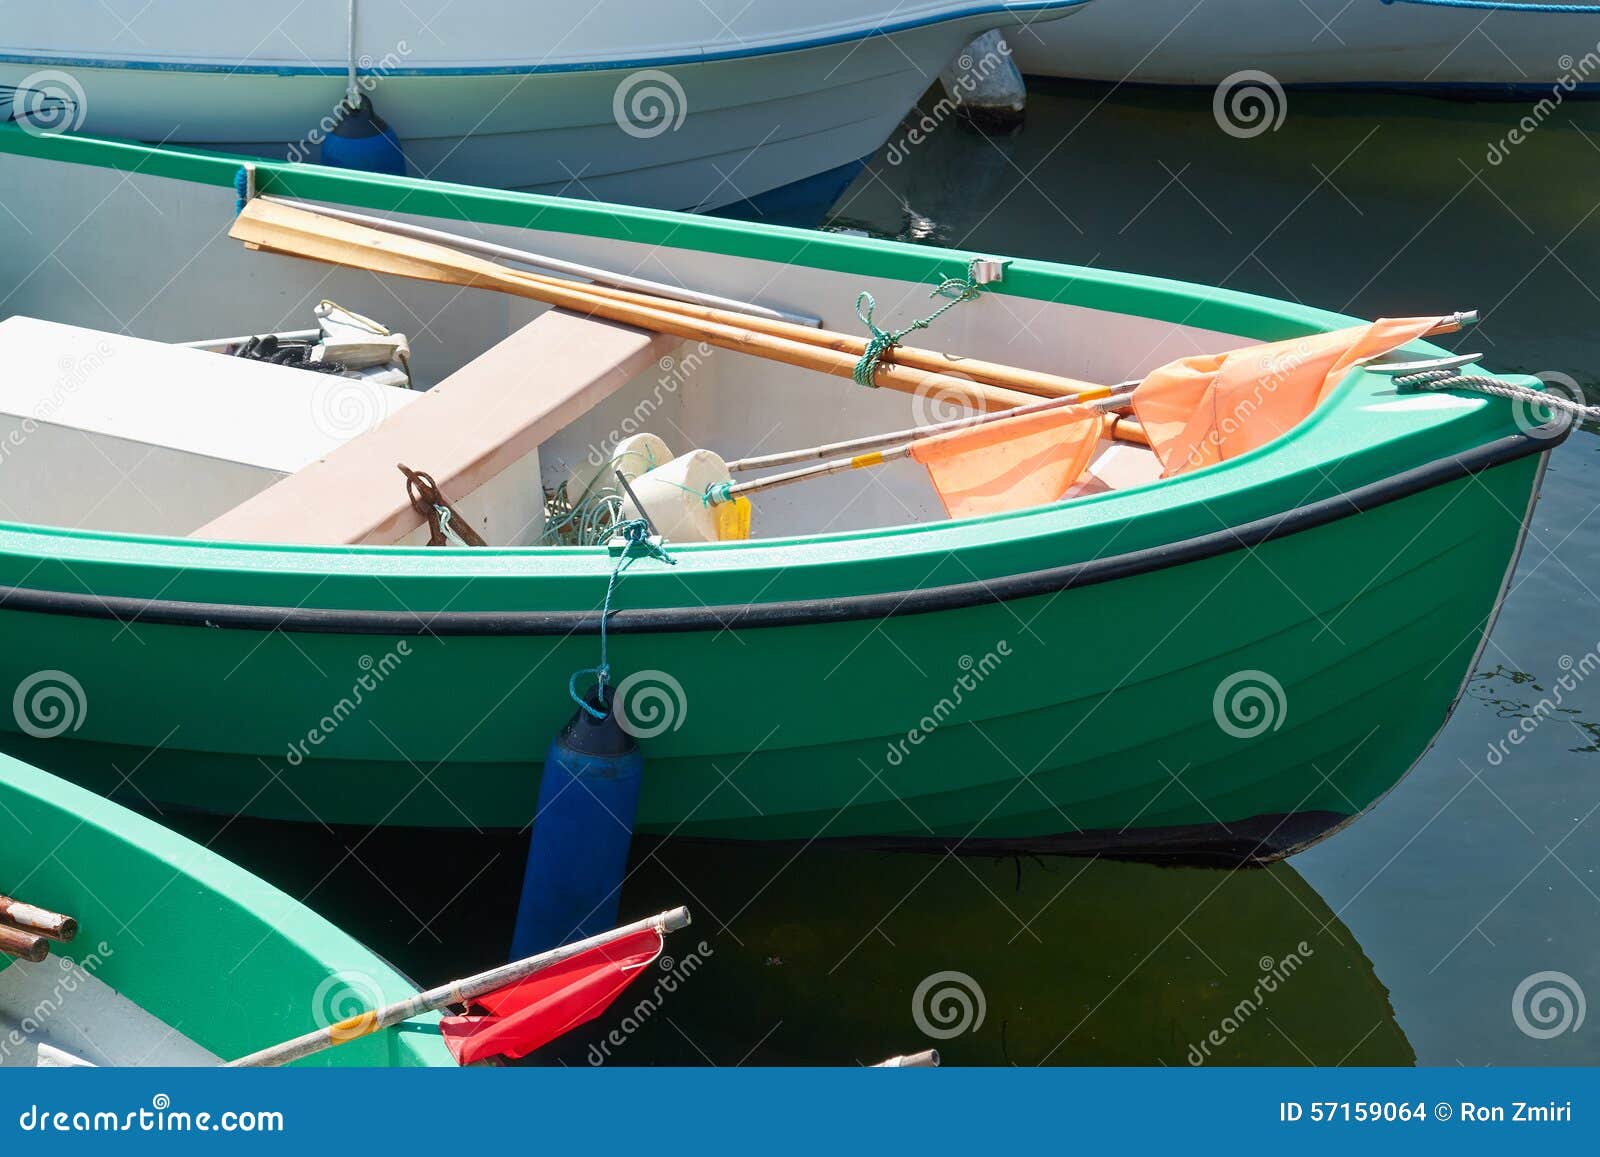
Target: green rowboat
1235	661
180	958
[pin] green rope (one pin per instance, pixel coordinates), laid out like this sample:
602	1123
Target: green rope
957	289
636	533
717	493
444	525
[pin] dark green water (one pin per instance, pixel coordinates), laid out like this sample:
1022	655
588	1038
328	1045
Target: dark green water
1403	938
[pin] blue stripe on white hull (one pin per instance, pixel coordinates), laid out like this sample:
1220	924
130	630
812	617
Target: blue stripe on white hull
751	123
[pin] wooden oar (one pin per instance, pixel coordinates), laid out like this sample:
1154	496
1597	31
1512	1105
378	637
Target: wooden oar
456	992
641	285
23	945
762	319
706	307
37	920
300	233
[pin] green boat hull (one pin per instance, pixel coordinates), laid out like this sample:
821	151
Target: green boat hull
215	953
1388	609
1080	677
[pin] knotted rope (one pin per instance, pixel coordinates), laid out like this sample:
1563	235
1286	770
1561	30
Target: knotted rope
957	289
1451	380
636	533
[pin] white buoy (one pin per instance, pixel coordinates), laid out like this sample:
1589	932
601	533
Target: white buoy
985	85
635	455
673	496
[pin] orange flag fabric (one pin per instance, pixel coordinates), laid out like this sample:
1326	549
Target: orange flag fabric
1205	409
1011	463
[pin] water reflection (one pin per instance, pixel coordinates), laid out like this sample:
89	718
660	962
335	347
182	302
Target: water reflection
817	956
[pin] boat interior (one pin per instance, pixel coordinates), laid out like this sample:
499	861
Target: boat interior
328	403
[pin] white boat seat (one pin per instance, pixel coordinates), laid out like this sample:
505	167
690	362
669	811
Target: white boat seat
488	417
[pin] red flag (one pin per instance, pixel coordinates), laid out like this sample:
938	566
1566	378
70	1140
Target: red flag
533	1012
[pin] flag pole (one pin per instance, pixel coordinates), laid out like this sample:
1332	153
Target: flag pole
456	992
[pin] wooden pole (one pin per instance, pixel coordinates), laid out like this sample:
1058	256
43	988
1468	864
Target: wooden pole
38	920
456	992
299	233
929	361
600	277
23	945
707	307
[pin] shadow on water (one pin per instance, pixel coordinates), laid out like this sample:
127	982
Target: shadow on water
835	956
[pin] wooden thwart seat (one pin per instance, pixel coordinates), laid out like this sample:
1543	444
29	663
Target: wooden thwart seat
483	419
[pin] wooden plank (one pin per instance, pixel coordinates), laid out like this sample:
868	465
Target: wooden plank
470	427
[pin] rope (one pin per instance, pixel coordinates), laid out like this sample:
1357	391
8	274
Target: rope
1507	6
1495	387
957	289
444	525
637	533
241	189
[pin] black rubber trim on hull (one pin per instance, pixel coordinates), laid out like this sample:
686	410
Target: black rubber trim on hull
958	596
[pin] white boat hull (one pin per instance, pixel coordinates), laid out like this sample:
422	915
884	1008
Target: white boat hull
1317	42
612	117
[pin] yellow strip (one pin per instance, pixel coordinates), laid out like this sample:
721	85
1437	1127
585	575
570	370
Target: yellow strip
348	1029
871	459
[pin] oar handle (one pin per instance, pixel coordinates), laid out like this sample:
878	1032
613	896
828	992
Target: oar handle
42	921
23	945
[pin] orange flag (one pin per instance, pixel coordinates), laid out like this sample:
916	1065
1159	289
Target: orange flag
1202	410
1011	463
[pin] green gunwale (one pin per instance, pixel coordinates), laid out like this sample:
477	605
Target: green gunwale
217	953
